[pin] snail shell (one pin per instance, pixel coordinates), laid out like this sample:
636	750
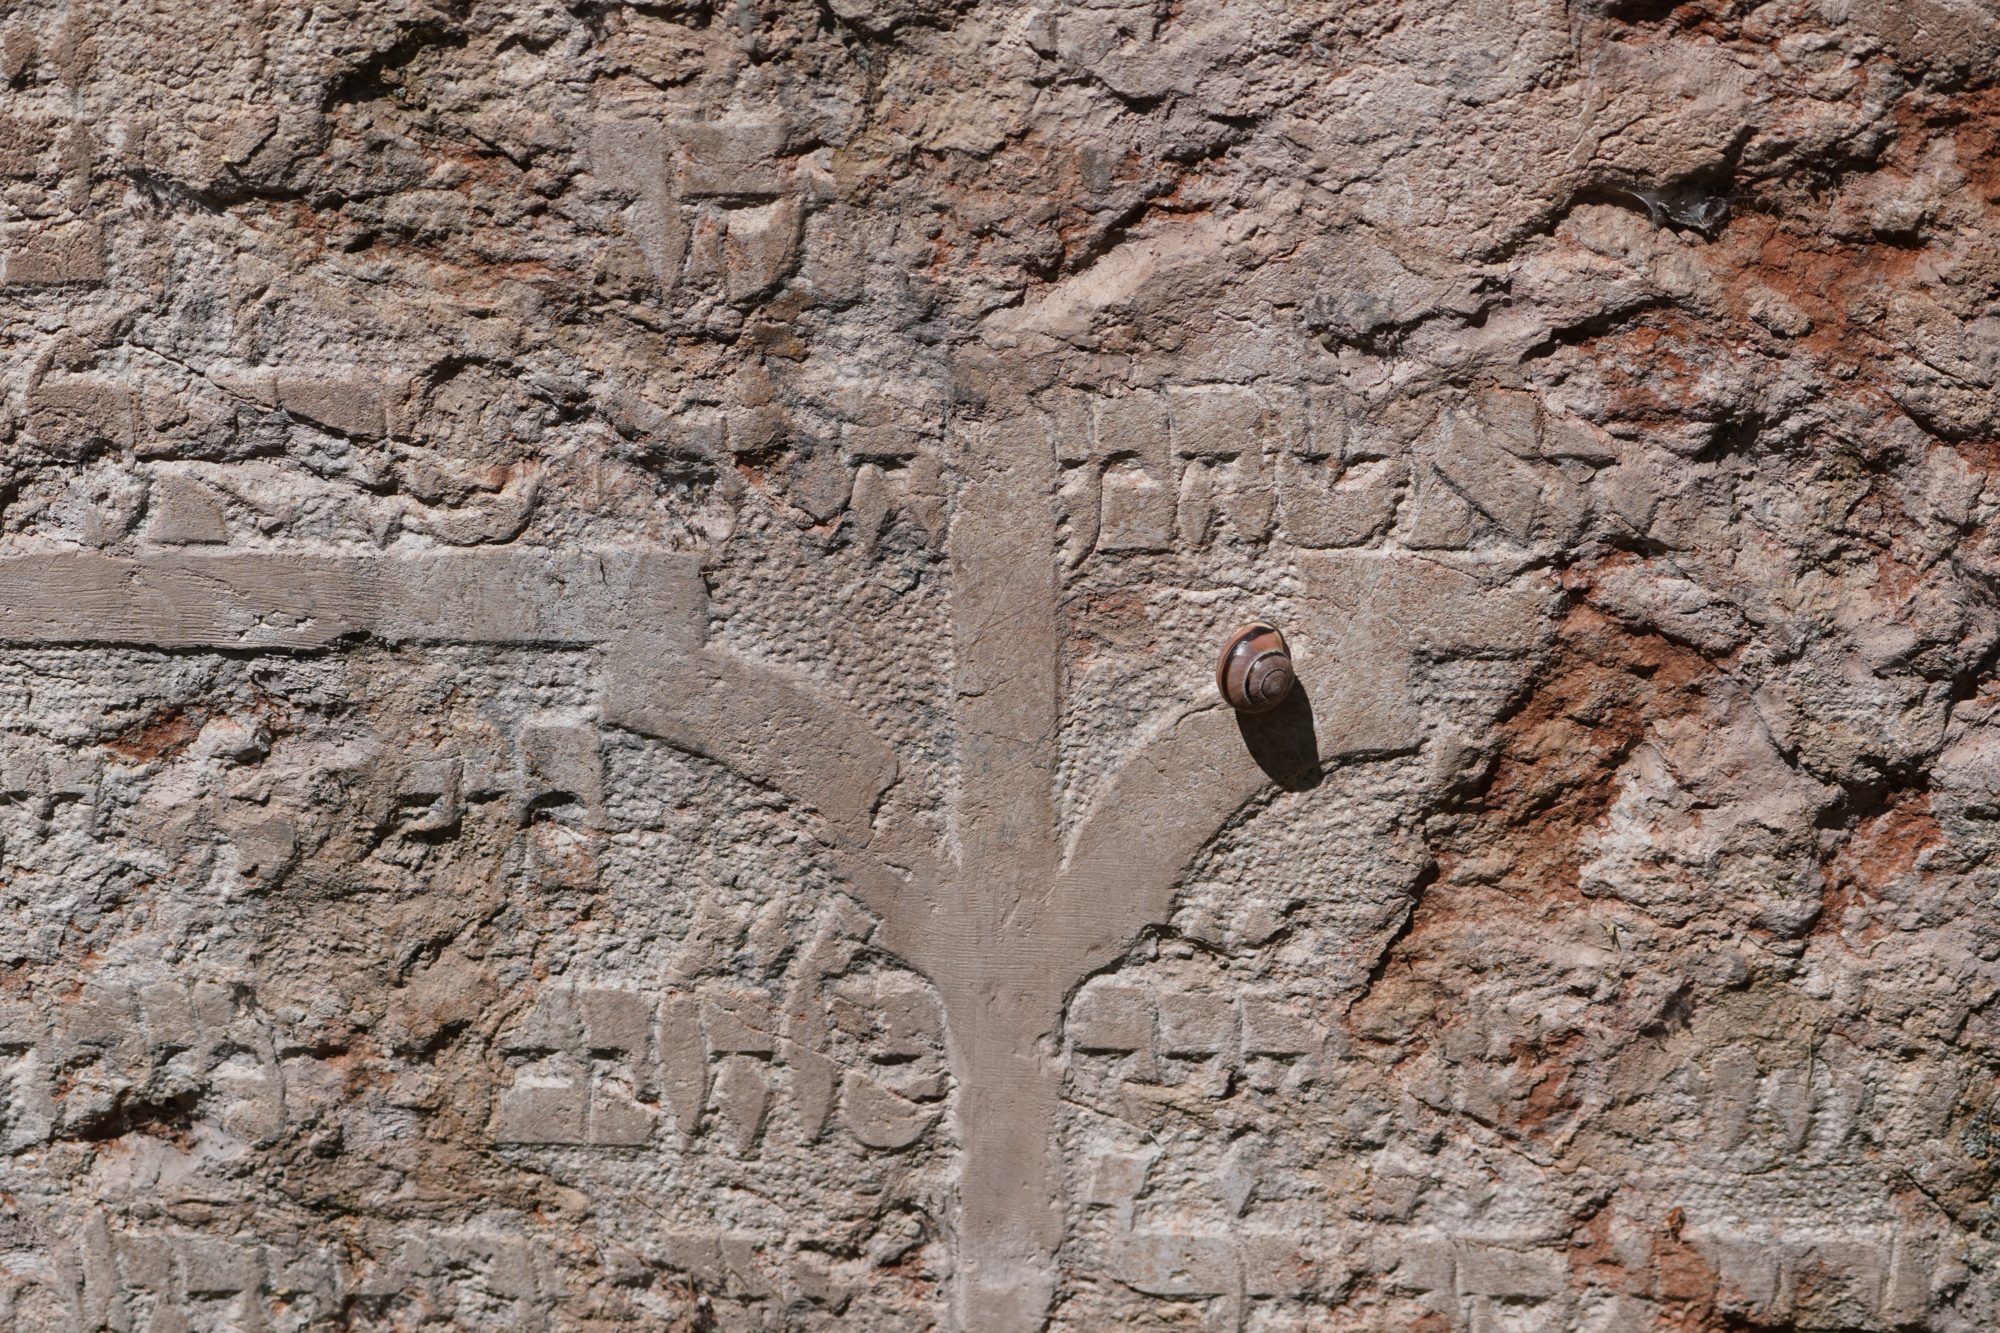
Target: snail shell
1255	673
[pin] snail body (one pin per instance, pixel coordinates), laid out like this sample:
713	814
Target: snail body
1255	674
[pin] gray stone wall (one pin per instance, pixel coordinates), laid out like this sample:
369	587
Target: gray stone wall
607	616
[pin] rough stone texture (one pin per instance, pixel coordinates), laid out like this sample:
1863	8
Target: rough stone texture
606	626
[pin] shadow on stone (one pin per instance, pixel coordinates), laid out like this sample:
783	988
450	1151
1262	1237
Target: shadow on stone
1284	742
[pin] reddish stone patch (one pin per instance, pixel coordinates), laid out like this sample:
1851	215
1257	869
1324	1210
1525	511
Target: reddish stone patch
1883	848
1547	1067
1681	1287
162	735
1594	1261
1687	1287
1112	623
1604	687
1515	850
1972	119
1886	846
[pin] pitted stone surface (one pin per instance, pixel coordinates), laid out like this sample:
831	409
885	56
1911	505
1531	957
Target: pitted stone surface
607	616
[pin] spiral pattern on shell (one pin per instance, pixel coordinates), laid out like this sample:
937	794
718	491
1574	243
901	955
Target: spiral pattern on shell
1255	673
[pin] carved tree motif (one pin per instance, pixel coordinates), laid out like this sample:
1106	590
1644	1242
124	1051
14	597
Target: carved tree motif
1011	920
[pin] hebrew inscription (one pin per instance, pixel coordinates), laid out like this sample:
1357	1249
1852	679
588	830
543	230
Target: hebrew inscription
607	622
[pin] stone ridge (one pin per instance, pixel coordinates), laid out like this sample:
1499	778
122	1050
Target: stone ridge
607	616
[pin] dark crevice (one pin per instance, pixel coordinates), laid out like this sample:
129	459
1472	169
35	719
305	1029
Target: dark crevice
1641	11
1696	208
1597	326
1386	956
168	1115
379	76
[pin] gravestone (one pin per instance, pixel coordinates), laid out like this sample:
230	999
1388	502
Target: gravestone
607	634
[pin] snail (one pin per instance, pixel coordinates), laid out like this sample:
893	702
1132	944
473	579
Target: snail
1255	673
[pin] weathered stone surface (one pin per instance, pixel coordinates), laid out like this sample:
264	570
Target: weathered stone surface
606	627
